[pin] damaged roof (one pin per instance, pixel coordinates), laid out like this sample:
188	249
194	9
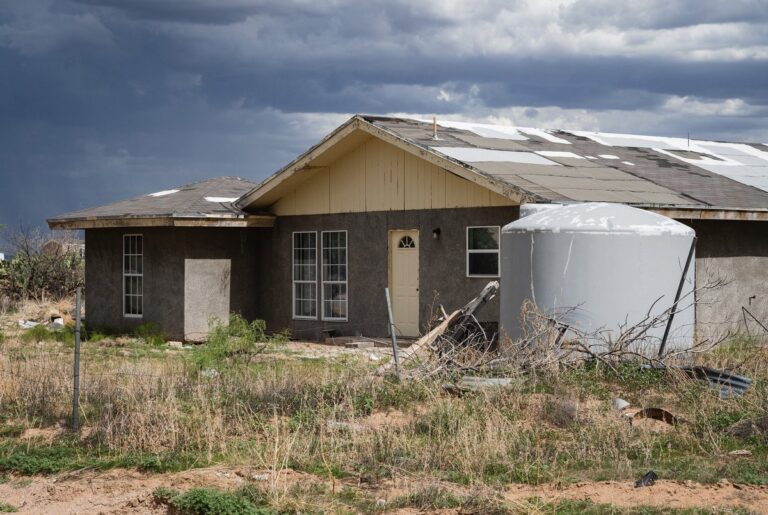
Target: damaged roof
561	165
703	178
200	204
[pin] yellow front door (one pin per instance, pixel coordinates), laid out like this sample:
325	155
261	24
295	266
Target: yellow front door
404	280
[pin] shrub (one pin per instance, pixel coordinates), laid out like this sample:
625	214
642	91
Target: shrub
7	508
43	268
237	338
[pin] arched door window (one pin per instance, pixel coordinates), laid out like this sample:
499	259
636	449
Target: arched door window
406	242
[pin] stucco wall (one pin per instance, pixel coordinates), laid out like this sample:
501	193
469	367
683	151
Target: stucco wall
442	266
165	250
736	253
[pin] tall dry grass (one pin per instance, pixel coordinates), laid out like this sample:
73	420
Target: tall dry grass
278	412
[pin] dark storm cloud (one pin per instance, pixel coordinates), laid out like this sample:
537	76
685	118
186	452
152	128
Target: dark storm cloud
103	99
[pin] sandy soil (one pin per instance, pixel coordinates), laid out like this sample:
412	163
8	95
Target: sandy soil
127	491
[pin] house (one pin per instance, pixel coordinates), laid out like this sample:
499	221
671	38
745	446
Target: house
413	205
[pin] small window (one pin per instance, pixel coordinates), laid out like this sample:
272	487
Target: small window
133	275
406	242
483	251
305	275
334	275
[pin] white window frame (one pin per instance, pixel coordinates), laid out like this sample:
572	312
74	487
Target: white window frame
294	282
483	251
126	274
323	282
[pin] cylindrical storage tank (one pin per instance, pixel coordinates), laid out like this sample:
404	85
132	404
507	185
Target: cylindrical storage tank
598	267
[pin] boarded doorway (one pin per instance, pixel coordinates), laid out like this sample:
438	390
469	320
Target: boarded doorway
404	280
206	295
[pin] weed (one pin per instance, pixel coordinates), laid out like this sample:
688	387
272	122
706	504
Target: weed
209	501
163	494
41	333
7	508
96	336
151	333
11	431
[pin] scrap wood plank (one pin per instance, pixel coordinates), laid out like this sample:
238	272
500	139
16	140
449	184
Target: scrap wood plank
422	343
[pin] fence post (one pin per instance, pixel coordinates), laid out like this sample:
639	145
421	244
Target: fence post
76	373
392	332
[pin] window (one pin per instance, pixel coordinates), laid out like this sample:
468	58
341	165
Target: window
305	275
335	275
483	251
133	275
406	242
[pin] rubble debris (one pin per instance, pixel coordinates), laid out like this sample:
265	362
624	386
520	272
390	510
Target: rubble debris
357	344
647	480
749	428
28	324
474	384
422	343
727	384
175	344
740	452
656	414
619	404
57	323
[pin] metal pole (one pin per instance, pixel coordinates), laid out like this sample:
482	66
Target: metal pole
677	298
76	375
392	332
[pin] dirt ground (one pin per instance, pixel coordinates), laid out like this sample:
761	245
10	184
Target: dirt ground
128	491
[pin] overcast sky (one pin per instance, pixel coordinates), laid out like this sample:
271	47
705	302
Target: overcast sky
105	99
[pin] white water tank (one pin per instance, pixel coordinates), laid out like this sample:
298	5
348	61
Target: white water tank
598	267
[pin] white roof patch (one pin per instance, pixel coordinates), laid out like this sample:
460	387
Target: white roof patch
557	153
545	135
481	129
221	199
608	156
163	193
476	155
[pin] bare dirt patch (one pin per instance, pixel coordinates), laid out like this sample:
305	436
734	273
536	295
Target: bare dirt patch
666	494
122	491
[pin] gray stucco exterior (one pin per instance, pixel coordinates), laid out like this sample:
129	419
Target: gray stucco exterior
261	270
261	283
734	253
165	250
442	266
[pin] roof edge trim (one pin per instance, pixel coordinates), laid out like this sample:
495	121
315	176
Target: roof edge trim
162	221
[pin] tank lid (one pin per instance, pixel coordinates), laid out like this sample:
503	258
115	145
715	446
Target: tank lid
599	217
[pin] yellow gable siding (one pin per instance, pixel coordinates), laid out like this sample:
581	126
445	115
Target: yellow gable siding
377	176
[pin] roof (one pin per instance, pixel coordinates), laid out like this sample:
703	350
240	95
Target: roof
200	204
677	176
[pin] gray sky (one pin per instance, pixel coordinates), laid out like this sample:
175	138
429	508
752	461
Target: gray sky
105	99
